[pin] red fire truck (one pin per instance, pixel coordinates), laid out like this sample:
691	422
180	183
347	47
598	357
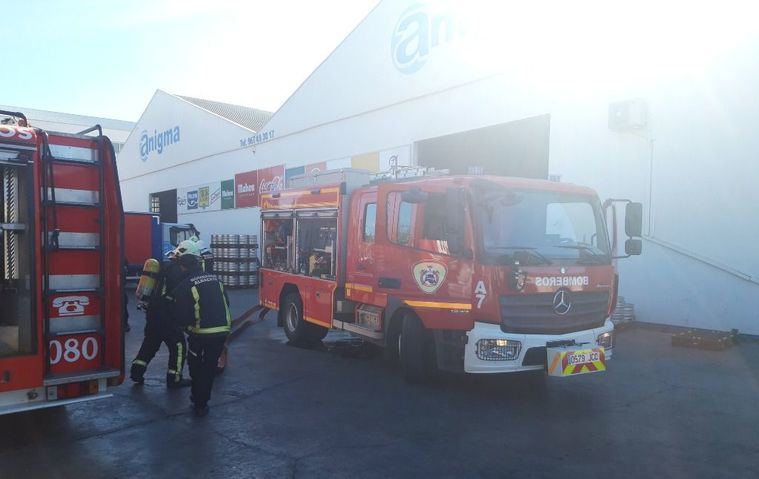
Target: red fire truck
480	274
61	291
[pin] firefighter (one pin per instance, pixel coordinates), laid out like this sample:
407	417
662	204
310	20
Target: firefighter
202	309
160	326
206	257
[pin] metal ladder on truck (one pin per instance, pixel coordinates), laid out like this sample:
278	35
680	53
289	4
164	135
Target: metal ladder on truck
73	264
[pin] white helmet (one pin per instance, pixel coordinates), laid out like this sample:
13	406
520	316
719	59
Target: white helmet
204	250
188	246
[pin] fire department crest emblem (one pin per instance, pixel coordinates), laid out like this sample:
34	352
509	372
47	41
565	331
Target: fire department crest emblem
429	276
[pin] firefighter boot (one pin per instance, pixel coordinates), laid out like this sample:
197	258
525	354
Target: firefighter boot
174	382
138	371
200	411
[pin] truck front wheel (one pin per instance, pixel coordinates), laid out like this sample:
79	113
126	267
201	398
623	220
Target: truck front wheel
415	344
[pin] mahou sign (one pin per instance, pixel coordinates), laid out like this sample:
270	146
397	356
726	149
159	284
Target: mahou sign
246	189
271	179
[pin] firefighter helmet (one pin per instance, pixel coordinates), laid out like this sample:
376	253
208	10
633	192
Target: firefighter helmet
188	246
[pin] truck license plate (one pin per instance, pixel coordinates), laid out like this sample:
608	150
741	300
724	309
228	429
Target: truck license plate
573	360
583	357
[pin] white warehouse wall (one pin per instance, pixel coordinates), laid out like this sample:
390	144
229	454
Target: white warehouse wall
692	166
208	150
208	146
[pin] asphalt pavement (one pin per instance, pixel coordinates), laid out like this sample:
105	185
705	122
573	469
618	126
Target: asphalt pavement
341	411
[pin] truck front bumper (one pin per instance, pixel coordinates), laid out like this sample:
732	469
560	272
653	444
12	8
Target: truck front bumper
485	331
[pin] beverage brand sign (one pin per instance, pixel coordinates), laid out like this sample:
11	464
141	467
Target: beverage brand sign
271	180
192	199
316	168
197	199
291	173
227	194
246	189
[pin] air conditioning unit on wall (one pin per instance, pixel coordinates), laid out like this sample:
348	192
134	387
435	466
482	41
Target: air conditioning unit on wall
628	115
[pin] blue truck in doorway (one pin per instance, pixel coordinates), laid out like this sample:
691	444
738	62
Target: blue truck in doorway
146	237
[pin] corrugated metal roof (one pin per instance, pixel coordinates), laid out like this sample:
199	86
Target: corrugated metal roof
69	118
250	118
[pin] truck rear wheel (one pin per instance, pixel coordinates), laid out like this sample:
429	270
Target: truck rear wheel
298	331
415	344
296	328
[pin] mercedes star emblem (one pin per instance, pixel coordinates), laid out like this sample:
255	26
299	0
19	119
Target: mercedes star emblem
561	302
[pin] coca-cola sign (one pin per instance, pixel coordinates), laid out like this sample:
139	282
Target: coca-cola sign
271	179
246	189
270	186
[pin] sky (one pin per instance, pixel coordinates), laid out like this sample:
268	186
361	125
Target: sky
107	58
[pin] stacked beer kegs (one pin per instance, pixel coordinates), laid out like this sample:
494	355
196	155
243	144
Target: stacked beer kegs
624	313
236	260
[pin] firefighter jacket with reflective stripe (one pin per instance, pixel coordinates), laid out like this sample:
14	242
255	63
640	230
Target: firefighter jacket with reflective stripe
201	305
170	276
161	302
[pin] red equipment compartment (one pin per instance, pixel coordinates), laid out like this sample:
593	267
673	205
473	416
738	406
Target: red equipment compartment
315	293
317	300
22	372
316	290
271	285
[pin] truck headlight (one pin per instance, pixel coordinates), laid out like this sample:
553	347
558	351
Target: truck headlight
498	349
606	340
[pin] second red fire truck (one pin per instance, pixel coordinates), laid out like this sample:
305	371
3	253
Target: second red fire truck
479	274
61	291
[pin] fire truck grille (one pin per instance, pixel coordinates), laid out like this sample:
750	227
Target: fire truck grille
534	313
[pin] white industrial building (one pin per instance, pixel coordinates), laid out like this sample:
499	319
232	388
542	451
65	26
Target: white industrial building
182	145
627	110
116	130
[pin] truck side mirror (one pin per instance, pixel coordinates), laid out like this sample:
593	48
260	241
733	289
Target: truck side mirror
633	247
455	229
634	220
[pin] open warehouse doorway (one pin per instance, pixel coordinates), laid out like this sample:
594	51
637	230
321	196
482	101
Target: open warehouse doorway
164	204
516	148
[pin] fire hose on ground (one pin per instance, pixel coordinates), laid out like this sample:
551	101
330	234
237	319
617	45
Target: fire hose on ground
239	324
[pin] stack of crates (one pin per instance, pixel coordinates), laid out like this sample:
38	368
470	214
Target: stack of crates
236	260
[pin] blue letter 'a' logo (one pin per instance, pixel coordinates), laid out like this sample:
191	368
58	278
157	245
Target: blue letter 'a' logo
416	34
410	44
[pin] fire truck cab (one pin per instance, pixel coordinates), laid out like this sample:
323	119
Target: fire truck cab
61	291
479	274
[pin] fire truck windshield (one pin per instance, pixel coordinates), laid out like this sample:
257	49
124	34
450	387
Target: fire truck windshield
541	227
